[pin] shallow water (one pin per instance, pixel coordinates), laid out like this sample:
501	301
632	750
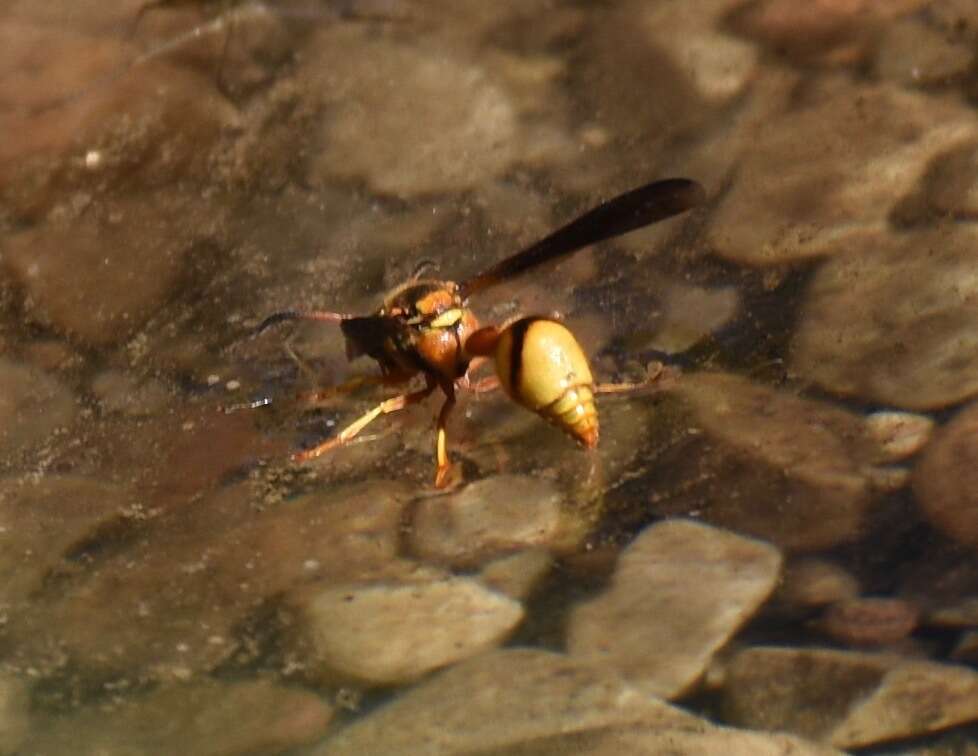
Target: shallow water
776	536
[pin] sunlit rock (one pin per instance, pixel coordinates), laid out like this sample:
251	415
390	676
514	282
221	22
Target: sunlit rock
891	320
680	591
825	175
209	718
767	462
394	632
501	699
847	699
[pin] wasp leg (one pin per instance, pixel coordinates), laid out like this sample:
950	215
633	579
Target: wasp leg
395	404
322	396
484	385
441	445
659	377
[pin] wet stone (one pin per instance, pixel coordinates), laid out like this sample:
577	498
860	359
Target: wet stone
33	405
815	582
82	279
769	463
485	519
119	392
447	125
679	593
517	575
171	604
75	127
891	320
899	434
959	612
869	621
703	740
43	520
915	53
15	721
208	718
501	699
825	176
966	649
720	65
945	480
827	32
389	633
846	699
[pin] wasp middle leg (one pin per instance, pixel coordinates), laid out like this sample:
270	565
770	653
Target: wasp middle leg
394	404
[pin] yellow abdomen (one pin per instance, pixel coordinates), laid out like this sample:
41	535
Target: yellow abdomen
541	366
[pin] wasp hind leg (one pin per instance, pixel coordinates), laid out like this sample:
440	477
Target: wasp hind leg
394	404
658	378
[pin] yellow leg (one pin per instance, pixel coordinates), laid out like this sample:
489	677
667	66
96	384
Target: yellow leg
441	445
349	432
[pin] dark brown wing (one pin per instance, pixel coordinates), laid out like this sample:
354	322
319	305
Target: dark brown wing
626	212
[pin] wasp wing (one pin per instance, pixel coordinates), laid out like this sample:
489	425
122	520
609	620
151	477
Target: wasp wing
619	215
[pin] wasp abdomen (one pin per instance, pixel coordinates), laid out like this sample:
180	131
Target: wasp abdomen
541	366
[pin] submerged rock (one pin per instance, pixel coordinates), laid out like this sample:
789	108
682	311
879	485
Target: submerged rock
890	320
680	591
770	463
812	582
826	174
501	699
15	719
389	633
448	124
945	480
869	621
485	519
846	699
173	604
33	405
208	718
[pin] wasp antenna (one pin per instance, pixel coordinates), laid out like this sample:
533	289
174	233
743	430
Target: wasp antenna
278	317
421	267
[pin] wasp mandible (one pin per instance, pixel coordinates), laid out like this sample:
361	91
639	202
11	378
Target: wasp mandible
424	327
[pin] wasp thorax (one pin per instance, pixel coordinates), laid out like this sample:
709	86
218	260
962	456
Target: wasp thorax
541	366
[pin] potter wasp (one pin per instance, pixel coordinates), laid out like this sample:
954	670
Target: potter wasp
424	327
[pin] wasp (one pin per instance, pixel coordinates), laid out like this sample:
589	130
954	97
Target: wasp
425	327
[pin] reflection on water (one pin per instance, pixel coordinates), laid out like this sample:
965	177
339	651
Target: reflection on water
779	540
